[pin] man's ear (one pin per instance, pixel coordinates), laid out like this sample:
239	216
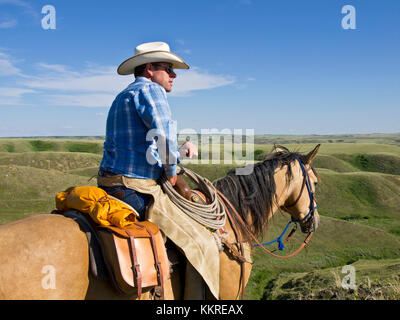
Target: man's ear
148	71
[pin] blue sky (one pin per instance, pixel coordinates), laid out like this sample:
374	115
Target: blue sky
278	67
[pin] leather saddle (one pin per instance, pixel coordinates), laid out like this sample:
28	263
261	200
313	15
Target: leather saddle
134	257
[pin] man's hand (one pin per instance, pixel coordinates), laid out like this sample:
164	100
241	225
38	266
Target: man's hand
172	180
189	150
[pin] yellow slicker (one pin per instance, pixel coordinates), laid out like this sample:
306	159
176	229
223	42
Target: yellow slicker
97	204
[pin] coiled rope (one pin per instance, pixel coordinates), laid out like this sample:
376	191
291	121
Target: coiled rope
210	215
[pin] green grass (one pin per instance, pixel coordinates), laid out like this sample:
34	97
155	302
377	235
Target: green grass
335	243
373	162
60	161
374	280
358	198
363	193
340	148
27	190
377	138
40	145
90	147
333	163
19	145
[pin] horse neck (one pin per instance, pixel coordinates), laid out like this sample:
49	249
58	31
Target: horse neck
282	191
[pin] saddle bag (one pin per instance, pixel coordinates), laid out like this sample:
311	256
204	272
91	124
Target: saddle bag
136	256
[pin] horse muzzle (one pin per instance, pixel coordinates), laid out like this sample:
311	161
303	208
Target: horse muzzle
311	224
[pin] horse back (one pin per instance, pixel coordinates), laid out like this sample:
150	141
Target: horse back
43	256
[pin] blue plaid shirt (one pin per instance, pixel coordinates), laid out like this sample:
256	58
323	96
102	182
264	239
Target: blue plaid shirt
141	137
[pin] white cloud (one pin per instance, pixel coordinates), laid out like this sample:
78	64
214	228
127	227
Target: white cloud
7	67
184	51
52	67
19	3
92	86
8	24
80	100
104	79
13	96
14	92
27	7
60	78
193	79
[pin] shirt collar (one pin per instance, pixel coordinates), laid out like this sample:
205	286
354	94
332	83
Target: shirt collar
142	79
137	80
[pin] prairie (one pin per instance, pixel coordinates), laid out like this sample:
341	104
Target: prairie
358	197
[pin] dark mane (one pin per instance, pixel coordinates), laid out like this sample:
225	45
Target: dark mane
255	194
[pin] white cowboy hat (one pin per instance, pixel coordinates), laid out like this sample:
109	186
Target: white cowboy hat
151	52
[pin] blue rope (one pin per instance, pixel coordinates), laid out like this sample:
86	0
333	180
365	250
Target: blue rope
279	239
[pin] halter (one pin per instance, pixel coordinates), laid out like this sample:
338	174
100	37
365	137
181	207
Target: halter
306	182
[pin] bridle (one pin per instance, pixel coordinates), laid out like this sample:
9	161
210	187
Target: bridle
311	195
309	215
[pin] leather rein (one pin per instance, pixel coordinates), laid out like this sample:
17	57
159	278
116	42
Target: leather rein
230	209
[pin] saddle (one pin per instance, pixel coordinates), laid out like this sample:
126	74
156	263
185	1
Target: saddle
134	253
136	256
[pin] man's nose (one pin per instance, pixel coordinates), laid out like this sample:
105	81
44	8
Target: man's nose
173	75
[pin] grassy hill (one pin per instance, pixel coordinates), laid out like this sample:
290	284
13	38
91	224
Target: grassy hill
335	244
358	197
17	145
60	161
375	280
27	190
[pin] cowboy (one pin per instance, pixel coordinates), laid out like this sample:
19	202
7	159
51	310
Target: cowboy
141	137
140	146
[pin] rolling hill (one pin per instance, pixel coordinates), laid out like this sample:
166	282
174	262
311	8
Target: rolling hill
358	197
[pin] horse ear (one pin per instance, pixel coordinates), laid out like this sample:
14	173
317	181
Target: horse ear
279	148
310	157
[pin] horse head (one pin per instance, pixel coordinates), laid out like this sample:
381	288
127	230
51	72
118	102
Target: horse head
301	202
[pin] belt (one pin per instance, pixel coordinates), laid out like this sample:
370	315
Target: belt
102	173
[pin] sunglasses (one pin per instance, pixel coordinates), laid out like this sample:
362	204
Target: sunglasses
168	69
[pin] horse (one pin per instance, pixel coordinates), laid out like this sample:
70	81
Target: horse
45	256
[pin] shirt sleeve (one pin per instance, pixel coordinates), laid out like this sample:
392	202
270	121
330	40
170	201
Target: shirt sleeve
154	110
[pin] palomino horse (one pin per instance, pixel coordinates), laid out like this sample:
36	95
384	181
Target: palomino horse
45	256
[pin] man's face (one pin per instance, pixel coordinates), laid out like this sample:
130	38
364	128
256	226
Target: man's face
163	74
